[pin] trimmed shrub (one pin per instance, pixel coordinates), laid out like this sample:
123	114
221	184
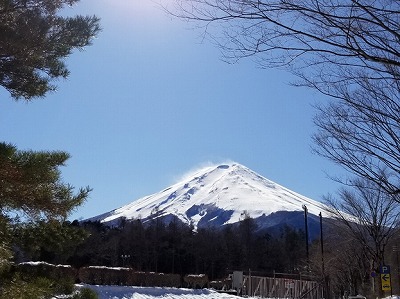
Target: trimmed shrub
196	281
42	269
125	276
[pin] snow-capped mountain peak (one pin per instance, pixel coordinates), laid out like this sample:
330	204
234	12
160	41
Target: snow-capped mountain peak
216	195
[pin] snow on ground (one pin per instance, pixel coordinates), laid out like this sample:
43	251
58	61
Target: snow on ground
121	292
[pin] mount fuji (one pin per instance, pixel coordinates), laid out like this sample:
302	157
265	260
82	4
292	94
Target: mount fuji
219	195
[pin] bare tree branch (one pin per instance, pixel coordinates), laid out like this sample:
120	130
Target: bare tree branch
346	49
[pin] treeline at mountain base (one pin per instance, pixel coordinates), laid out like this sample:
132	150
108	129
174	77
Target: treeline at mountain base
175	248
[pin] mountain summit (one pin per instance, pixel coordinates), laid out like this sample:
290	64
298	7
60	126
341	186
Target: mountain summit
219	195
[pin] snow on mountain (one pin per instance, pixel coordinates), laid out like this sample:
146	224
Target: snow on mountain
215	196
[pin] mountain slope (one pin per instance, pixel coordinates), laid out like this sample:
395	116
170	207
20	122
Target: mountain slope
215	196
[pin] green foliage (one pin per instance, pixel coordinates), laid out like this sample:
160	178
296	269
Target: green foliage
34	202
5	248
64	286
85	293
34	284
53	241
30	183
35	41
36	288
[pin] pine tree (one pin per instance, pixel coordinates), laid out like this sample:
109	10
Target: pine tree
30	183
34	201
34	41
32	191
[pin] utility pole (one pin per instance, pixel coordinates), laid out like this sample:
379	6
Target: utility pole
322	244
396	249
326	285
306	228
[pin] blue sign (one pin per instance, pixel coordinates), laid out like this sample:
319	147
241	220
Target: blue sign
385	269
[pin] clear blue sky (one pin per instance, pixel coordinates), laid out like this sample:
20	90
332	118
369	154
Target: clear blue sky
150	100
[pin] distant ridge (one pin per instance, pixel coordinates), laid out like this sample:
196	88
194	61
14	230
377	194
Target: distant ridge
219	195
